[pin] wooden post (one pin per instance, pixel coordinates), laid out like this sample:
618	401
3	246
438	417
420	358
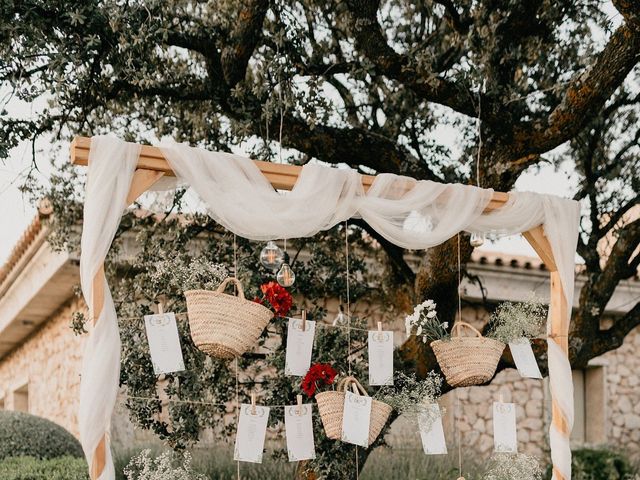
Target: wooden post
559	319
141	182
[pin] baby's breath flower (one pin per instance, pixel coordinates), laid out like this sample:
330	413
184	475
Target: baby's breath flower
164	467
408	393
508	466
514	321
182	273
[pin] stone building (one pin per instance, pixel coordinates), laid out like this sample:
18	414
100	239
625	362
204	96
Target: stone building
40	357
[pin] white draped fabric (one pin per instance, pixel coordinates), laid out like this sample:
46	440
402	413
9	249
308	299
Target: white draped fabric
111	167
409	213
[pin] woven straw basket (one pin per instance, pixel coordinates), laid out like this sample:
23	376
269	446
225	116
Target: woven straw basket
331	405
467	361
225	326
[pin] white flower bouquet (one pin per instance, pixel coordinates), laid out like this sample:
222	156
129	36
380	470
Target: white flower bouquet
424	323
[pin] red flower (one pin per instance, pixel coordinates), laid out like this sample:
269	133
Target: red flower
278	298
318	375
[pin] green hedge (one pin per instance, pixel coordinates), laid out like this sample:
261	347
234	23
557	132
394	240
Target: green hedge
30	468
22	434
590	464
599	464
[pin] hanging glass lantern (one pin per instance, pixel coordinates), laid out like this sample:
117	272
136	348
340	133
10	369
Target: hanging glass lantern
285	275
477	239
271	256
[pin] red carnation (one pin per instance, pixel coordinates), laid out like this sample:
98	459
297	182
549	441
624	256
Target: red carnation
320	374
276	297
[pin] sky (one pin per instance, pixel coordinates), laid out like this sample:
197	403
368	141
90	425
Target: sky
16	212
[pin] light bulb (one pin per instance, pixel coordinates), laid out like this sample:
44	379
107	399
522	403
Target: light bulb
285	275
271	256
477	239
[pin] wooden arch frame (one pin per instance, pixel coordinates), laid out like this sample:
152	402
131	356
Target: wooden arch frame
152	166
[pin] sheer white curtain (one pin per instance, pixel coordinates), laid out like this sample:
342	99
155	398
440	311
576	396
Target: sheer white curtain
111	166
410	213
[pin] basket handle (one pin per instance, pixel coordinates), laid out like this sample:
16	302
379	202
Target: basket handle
237	283
342	385
458	326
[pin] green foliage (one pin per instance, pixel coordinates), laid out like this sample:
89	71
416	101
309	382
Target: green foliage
513	321
167	466
22	434
183	272
599	464
508	466
30	468
408	392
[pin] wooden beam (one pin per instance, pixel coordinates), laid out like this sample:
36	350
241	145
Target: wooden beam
559	335
538	240
281	176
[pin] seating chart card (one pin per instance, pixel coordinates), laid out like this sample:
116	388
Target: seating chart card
355	419
164	343
298	423
252	429
299	347
505	437
432	431
380	357
524	358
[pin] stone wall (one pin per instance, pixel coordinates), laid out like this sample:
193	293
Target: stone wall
45	371
623	395
610	406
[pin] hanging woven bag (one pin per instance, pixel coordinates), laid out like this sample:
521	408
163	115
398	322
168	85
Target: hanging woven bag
225	326
331	406
467	361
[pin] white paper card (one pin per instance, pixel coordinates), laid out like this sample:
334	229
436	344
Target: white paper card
298	425
380	357
252	429
356	418
299	347
164	343
524	358
505	437
431	430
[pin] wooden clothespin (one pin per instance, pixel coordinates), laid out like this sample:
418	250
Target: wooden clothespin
161	302
304	320
379	326
501	398
253	403
299	400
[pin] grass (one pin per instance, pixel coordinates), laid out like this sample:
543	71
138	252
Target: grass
217	463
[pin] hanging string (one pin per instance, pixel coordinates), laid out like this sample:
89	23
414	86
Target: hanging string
479	130
237	412
458	432
458	409
346	255
235	273
346	251
281	119
459	283
267	127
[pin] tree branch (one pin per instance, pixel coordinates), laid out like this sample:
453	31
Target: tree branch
243	40
586	94
614	337
371	41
